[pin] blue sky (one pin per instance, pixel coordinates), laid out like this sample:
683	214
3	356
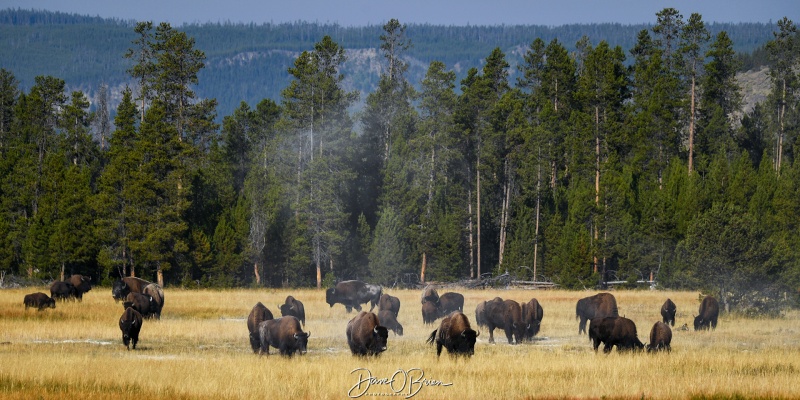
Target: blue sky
445	12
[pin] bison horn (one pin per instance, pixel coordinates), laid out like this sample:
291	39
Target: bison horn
375	329
477	333
463	333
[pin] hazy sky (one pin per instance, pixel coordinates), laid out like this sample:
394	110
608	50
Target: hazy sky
445	12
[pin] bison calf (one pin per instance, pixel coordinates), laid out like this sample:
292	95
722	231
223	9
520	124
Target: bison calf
389	320
614	331
389	303
284	334
130	324
39	300
660	337
258	314
365	335
142	303
454	334
295	308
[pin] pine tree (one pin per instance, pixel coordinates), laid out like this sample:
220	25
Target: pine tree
693	37
783	54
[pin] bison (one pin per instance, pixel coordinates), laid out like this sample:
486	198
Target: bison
668	311
293	307
389	303
352	294
506	315
709	312
532	314
154	290
142	303
365	335
130	324
39	300
82	285
388	319
258	314
480	311
430	294
660	337
429	312
455	335
284	334
450	302
62	290
128	284
598	306
614	331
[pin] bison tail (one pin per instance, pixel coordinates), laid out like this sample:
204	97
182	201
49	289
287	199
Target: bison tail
432	337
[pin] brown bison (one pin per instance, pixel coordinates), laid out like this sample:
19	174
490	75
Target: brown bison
365	335
455	335
506	315
389	303
532	314
128	284
429	312
62	290
668	311
39	300
82	285
450	302
429	294
130	323
352	294
142	303
480	312
284	334
388	319
154	290
614	331
600	305
258	314
293	307
660	337
709	312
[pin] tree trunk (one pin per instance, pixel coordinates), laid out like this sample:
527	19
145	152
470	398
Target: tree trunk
691	128
471	243
596	177
780	134
62	271
536	232
255	272
504	213
160	275
424	267
478	213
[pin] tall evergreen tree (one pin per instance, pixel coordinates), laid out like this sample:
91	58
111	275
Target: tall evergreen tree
693	37
784	57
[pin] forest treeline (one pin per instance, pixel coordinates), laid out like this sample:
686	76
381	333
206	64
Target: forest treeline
591	165
86	51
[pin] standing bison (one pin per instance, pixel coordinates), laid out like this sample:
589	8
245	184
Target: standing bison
157	294
480	311
365	335
258	314
388	319
455	335
284	334
532	314
82	285
668	311
660	337
429	294
389	303
61	290
506	315
130	324
38	300
600	305
128	284
294	308
709	312
142	303
352	294
450	302
429	312
614	331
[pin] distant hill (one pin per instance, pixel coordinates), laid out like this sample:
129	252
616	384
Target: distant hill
248	62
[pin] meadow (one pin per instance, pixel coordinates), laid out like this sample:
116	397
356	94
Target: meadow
199	349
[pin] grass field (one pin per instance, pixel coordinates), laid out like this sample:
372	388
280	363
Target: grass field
200	349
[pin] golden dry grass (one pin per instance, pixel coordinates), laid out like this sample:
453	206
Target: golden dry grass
199	349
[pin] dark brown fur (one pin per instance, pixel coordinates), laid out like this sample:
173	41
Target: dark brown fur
155	291
532	314
142	303
128	284
454	334
660	337
668	311
429	294
614	331
293	307
506	315
38	300
480	312
258	314
389	303
82	285
600	305
284	334
352	294
61	290
450	302
130	324
365	335
429	312
388	319
709	312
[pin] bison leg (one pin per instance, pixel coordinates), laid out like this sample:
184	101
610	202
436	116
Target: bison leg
438	348
607	347
358	307
582	326
491	334
510	336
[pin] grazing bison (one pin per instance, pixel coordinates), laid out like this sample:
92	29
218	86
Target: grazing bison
506	315
352	294
709	312
82	285
128	284
480	311
430	294
614	331
660	337
130	323
668	312
284	334
295	308
39	300
154	290
532	314
389	303
142	303
455	335
429	312
598	306
450	302
61	290
258	314
365	335
388	319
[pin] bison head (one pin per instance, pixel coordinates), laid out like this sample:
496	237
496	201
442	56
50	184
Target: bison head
329	296
301	341
466	342
287	309
127	325
119	290
698	323
380	337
